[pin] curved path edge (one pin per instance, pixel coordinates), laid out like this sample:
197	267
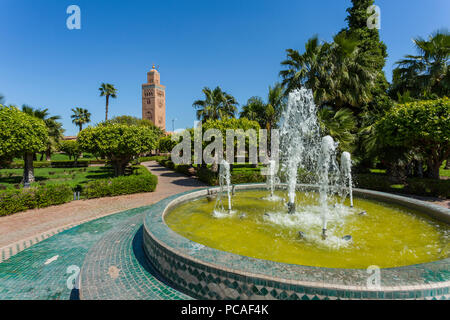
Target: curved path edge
25	229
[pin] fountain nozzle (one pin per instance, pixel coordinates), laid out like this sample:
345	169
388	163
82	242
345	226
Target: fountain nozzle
324	234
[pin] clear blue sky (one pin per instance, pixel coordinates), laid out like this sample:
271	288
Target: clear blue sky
236	44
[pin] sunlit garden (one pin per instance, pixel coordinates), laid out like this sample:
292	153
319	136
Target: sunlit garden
338	189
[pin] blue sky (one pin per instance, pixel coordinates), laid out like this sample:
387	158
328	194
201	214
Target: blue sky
236	44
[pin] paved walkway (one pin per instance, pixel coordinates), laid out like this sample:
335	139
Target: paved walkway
24	229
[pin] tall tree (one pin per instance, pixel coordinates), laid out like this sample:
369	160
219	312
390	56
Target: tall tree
107	90
426	73
266	114
21	135
217	105
335	72
80	117
55	130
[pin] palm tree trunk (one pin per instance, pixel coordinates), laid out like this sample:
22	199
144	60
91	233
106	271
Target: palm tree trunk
107	103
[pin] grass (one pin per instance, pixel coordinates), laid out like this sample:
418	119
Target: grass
61	156
11	178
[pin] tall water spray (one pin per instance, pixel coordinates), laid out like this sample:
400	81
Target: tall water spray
225	185
328	148
303	148
346	170
271	177
300	136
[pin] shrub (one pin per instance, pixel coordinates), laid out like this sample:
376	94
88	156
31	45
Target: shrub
120	185
51	164
208	177
413	186
12	201
184	169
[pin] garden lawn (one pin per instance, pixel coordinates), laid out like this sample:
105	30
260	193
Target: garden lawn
11	178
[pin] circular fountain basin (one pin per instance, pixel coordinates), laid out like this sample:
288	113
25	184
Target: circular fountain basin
207	268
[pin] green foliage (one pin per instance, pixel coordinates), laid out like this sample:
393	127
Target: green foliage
427	74
70	148
51	164
134	121
119	142
107	90
234	124
339	125
152	158
12	201
422	126
144	182
216	106
80	117
336	72
20	133
165	144
413	186
266	114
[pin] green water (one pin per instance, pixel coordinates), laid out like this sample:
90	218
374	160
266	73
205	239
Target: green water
387	236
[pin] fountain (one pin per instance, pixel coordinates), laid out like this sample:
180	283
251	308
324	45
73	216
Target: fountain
346	170
225	184
328	148
260	252
271	181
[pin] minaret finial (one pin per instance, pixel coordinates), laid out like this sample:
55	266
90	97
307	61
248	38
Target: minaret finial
153	66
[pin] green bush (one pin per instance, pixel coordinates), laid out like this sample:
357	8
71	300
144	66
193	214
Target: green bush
184	169
12	201
120	185
247	176
51	164
208	177
413	186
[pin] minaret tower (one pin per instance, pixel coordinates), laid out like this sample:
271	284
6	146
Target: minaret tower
154	99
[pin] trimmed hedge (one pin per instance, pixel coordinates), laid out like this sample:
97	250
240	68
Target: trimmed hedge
12	201
120	185
53	164
152	158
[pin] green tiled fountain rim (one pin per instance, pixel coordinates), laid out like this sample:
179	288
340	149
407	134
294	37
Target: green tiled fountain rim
428	279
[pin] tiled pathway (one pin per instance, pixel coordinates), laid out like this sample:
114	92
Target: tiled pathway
107	246
21	230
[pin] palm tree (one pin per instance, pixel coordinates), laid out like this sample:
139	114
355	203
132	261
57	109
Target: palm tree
254	110
336	72
427	72
107	90
266	114
217	105
339	125
55	130
80	117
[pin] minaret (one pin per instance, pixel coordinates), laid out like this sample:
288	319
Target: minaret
154	99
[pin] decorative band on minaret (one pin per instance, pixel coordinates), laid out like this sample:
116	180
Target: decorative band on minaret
154	99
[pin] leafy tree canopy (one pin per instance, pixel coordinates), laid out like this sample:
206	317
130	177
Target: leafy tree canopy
134	121
20	133
119	142
423	126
